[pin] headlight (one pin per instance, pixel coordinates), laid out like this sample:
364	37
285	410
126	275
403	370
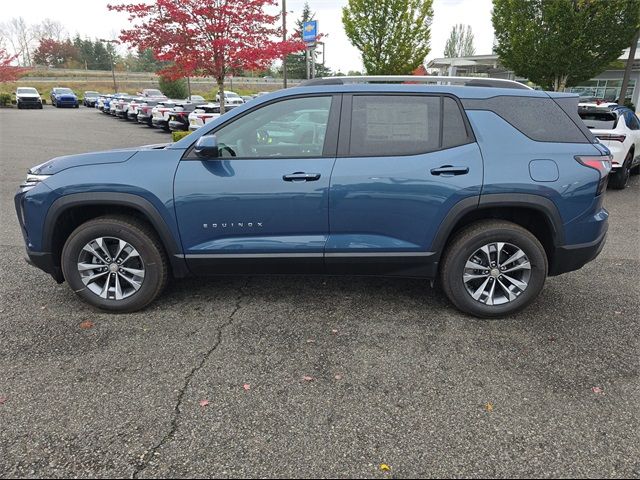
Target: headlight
32	180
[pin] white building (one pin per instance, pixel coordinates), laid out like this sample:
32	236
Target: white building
605	86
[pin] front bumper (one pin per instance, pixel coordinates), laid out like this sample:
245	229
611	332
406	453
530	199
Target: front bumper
44	261
573	257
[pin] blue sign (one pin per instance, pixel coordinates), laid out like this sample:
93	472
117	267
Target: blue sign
310	31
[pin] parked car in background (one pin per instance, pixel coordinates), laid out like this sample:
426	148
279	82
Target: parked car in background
90	98
488	190
247	98
152	93
145	112
618	128
195	99
230	98
160	114
63	97
179	116
28	97
203	115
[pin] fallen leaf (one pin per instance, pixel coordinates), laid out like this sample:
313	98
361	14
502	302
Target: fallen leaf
617	312
307	378
334	331
311	340
3	400
597	390
552	339
384	467
338	376
86	324
43	307
204	403
246	386
488	407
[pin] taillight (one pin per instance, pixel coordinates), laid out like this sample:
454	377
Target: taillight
612	136
602	164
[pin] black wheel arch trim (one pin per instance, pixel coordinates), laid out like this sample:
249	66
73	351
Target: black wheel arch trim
136	202
479	202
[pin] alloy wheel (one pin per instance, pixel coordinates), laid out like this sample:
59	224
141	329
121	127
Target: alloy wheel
111	268
497	273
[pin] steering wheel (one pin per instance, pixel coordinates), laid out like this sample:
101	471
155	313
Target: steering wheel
263	137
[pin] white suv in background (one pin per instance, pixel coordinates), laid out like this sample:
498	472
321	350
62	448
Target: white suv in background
618	128
230	98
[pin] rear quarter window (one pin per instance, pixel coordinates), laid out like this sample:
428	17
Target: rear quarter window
541	119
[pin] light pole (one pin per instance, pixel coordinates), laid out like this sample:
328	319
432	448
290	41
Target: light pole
284	39
113	72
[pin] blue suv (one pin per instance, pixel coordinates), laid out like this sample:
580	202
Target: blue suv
487	186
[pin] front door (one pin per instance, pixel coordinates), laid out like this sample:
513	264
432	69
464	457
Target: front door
262	206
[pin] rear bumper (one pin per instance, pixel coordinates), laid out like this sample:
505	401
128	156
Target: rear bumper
573	257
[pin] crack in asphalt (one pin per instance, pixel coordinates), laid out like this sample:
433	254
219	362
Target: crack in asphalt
149	454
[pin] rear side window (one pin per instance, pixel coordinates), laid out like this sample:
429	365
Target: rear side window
454	131
384	125
541	119
631	120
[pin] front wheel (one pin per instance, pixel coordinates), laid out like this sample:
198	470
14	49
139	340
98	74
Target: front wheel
115	263
493	268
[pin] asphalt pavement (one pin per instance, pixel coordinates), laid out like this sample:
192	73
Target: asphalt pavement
309	377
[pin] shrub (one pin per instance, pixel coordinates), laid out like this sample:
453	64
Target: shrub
5	99
179	135
174	88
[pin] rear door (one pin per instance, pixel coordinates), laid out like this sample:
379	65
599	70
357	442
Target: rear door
403	161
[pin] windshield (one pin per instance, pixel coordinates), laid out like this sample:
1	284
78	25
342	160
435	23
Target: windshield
64	90
599	120
27	90
153	93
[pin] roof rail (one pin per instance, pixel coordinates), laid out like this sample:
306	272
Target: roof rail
438	80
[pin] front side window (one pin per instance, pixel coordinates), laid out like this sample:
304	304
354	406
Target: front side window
289	128
394	125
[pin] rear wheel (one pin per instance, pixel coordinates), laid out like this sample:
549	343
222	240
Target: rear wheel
115	263
493	268
620	178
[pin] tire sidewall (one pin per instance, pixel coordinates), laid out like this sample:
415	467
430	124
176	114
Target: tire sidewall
529	245
150	256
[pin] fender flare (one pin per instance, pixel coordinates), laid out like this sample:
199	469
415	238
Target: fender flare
135	202
511	200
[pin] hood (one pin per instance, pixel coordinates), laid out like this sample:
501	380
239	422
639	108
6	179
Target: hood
27	95
58	164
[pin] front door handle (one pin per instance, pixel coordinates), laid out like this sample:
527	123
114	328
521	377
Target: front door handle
301	177
449	170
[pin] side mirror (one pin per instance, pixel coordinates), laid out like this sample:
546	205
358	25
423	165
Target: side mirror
207	147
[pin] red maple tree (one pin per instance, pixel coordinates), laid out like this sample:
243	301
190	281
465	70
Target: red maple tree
8	72
207	37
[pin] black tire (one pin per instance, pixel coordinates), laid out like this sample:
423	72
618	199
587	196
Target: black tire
137	234
19	106
620	178
40	107
472	238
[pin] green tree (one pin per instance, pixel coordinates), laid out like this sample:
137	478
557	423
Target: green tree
173	88
559	43
101	58
392	35
147	61
460	42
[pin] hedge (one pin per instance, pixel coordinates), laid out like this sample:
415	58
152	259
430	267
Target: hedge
179	135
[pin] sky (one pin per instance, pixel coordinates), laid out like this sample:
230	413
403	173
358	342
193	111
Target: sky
90	18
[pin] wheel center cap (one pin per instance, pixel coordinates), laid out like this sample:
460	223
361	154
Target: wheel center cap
495	273
113	268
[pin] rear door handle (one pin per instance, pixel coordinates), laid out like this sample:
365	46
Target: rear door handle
449	170
301	177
